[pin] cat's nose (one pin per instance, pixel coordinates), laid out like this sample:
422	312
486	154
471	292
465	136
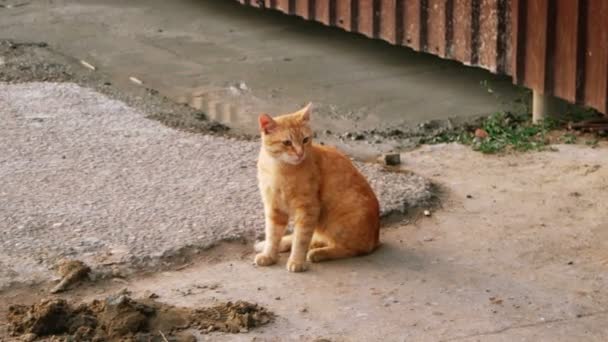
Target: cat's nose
299	152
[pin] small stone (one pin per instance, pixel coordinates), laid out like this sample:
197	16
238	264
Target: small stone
481	133
29	337
469	196
151	295
358	136
87	65
495	300
427	213
395	132
277	298
136	80
392	159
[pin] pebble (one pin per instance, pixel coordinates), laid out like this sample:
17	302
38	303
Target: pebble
481	133
136	80
87	65
29	337
392	159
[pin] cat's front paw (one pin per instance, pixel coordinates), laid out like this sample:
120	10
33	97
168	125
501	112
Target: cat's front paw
263	259
295	266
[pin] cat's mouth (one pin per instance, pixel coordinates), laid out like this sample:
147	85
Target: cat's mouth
294	160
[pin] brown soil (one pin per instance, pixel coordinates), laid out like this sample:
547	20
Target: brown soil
71	271
121	318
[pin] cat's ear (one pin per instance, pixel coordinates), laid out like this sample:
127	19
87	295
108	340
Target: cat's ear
305	112
267	123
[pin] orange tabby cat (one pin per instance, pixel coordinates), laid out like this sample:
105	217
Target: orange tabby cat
333	208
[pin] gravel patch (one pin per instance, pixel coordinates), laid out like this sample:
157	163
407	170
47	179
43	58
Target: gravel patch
86	176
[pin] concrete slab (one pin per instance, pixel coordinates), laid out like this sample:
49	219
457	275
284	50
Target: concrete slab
88	177
235	62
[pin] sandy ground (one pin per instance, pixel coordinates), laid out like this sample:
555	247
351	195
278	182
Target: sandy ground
88	177
518	252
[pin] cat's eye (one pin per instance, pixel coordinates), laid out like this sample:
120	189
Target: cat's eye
287	142
306	140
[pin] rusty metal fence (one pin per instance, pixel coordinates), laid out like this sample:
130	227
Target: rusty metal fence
554	47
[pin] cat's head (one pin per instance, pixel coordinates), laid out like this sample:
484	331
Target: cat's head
287	138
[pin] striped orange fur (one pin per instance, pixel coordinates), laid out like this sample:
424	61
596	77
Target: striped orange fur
334	211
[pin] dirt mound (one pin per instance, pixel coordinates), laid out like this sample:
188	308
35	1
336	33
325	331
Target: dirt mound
71	271
120	318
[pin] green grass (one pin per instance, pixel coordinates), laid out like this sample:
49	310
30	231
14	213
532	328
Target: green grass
569	138
506	132
593	143
510	132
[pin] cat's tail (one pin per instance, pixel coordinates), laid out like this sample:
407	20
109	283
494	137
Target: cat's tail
285	245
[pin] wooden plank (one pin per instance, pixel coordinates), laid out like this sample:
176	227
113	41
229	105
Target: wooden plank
322	11
282	5
343	14
488	34
302	8
518	39
412	23
565	53
366	18
596	56
475	42
536	44
503	38
399	24
387	24
462	31
449	28
436	27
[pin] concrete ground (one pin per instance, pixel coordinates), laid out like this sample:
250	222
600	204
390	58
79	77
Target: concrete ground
234	62
517	253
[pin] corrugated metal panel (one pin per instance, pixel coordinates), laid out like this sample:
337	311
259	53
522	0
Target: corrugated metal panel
557	47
